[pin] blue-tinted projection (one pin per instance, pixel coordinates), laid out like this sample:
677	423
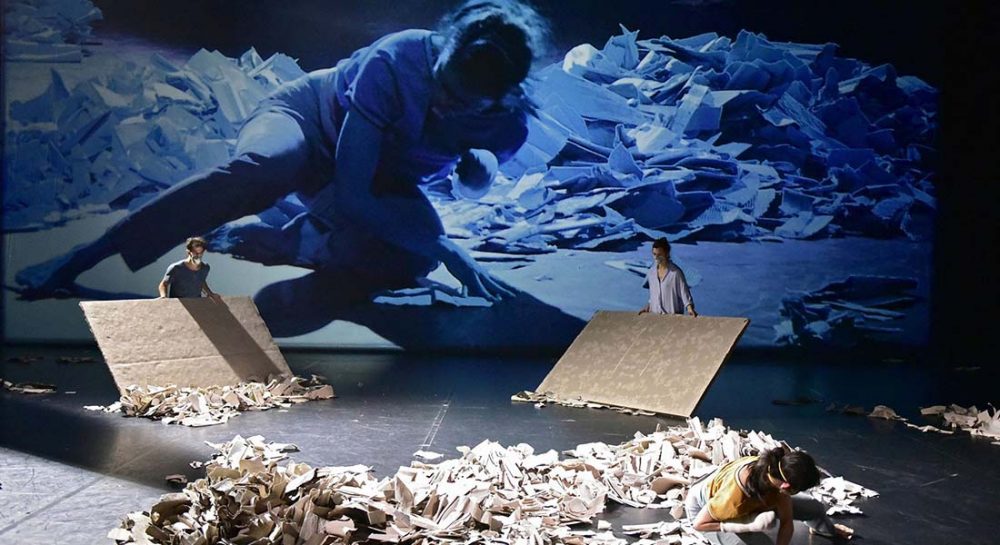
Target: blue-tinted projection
796	185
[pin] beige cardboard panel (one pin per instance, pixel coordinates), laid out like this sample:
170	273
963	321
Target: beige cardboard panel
199	327
192	342
661	363
194	372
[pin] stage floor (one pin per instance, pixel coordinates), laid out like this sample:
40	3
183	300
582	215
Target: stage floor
69	475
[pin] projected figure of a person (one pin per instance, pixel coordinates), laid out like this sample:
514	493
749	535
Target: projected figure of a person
356	140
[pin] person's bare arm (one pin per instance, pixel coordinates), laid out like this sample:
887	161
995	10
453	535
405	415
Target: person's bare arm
163	289
787	524
208	292
704	522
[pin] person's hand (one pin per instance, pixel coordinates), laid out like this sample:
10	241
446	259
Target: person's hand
476	279
761	522
215	297
311	236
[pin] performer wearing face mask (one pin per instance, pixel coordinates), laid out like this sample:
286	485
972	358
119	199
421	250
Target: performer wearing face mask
188	277
668	289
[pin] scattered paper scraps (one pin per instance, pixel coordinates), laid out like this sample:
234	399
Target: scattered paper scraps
979	423
540	400
253	493
846	313
28	387
138	130
840	495
929	428
885	413
76	359
196	407
48	30
24	359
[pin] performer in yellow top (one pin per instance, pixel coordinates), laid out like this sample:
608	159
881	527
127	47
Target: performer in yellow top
741	500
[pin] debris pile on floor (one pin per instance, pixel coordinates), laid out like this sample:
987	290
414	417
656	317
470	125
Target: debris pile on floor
115	140
48	30
709	138
198	407
541	399
845	313
985	423
251	494
701	138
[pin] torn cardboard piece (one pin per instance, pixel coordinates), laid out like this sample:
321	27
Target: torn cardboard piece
186	342
28	387
657	363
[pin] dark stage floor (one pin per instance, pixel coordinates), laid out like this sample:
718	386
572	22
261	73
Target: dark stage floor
69	475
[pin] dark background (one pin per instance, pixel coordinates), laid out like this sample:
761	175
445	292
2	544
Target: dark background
908	34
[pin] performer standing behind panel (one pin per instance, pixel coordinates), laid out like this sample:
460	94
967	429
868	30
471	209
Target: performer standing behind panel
355	141
668	289
735	504
188	277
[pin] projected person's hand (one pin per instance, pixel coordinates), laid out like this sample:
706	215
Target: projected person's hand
477	280
312	239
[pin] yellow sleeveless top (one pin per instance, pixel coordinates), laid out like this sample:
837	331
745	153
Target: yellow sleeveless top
728	499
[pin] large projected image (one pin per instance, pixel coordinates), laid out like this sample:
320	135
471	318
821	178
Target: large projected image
471	186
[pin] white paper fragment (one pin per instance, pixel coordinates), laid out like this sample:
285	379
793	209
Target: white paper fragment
427	455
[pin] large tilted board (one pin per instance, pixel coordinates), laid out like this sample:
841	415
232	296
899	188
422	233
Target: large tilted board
188	342
659	363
